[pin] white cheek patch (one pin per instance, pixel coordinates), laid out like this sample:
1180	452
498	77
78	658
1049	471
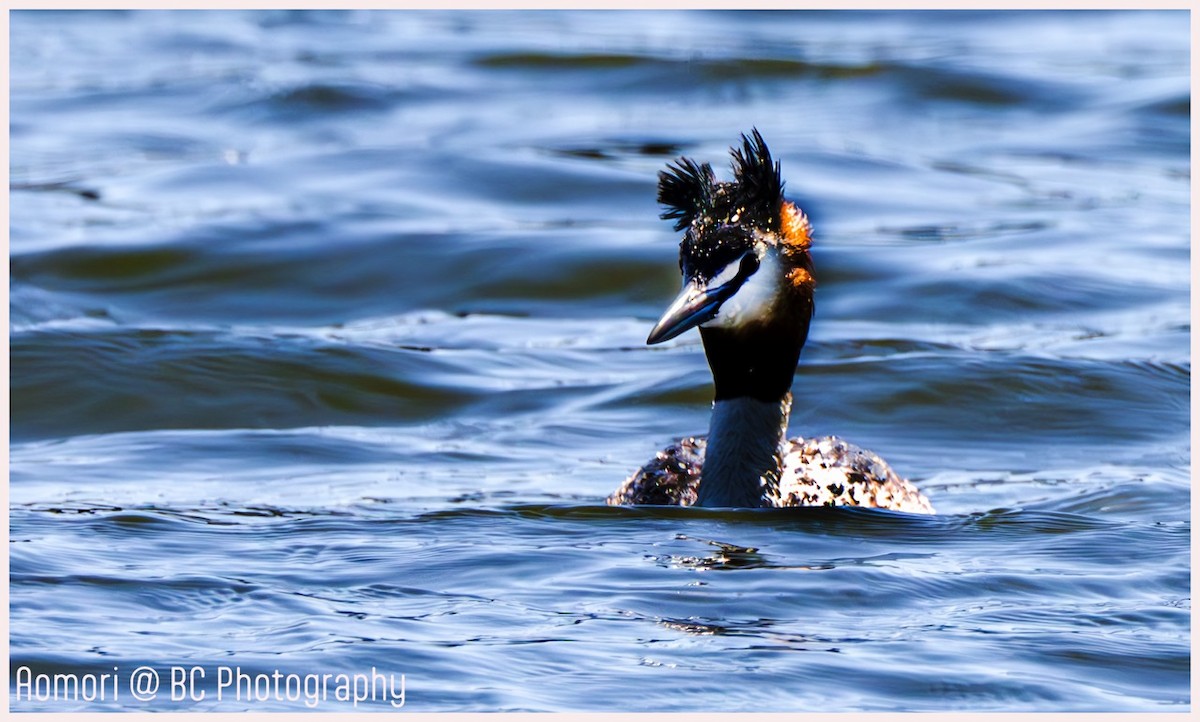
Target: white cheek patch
755	300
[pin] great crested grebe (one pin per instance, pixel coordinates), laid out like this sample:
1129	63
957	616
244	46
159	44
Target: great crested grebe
748	285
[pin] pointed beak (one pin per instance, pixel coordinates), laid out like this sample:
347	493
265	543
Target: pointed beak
694	305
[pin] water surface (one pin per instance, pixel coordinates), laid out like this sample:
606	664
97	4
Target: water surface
327	343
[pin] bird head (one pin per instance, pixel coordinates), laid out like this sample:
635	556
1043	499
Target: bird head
745	247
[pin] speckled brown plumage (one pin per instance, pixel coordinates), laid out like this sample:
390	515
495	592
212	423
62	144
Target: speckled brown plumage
824	471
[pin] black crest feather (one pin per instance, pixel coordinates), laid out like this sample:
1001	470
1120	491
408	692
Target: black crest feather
759	185
686	189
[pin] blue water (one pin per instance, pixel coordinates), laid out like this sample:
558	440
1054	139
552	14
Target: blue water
327	343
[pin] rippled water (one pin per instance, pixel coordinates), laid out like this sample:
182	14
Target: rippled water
327	344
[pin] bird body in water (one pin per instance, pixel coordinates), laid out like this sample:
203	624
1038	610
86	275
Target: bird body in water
748	286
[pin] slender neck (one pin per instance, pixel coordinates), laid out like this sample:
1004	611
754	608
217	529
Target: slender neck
752	373
741	463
